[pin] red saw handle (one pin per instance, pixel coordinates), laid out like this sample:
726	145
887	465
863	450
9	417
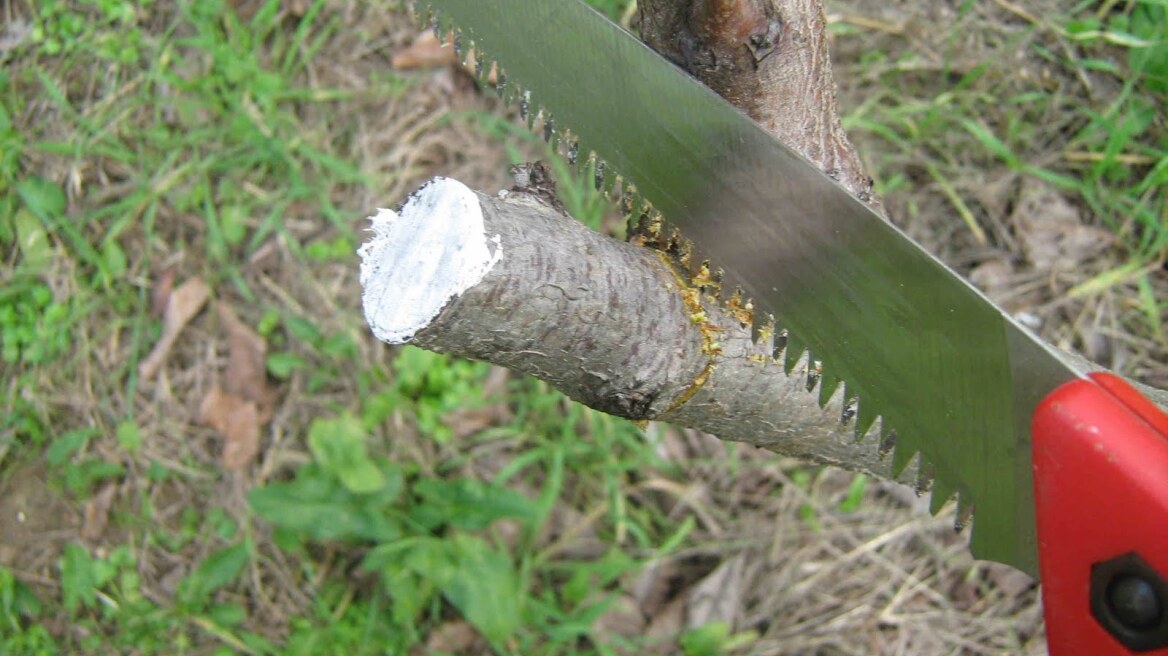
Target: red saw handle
1101	497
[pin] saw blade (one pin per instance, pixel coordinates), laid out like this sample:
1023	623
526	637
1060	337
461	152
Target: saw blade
950	375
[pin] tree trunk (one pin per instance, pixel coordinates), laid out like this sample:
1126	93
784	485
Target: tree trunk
770	59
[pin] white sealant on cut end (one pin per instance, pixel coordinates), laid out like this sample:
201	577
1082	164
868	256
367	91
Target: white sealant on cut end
420	258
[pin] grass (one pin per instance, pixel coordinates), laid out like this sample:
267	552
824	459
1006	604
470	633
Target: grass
1078	112
407	502
138	140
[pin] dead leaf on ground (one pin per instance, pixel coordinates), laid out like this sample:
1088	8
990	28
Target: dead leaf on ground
238	420
184	303
718	597
995	277
622	618
465	422
427	51
97	510
665	626
1051	230
247	374
240	408
160	295
456	637
1012	582
653	585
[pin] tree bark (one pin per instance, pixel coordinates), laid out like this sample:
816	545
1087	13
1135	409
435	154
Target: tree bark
613	325
770	59
616	326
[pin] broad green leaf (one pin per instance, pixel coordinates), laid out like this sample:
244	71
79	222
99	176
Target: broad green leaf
16	599
228	614
67	444
115	260
303	330
282	364
129	437
991	142
705	640
33	240
485	588
78	579
469	504
339	446
216	571
43	198
234	224
321	508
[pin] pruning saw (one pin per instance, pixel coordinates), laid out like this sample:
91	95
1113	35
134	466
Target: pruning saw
1065	472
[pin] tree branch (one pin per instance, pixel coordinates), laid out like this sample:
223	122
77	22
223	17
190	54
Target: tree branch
621	328
615	326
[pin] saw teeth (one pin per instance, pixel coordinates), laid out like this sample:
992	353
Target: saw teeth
849	410
901	458
549	130
742	308
828	384
942	492
648	228
925	478
964	513
814	372
887	443
865	418
780	344
626	206
792	353
500	83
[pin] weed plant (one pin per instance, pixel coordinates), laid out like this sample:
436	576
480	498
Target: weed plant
137	138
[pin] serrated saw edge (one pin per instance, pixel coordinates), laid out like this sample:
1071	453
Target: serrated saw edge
951	378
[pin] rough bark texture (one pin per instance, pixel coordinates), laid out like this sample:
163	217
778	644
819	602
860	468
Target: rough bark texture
619	328
769	58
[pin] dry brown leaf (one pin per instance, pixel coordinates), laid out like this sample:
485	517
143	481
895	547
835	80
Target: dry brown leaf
247	374
184	303
97	511
665	626
243	405
426	51
995	277
1051	230
719	596
623	618
238	420
652	586
468	421
160	295
1012	582
456	637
